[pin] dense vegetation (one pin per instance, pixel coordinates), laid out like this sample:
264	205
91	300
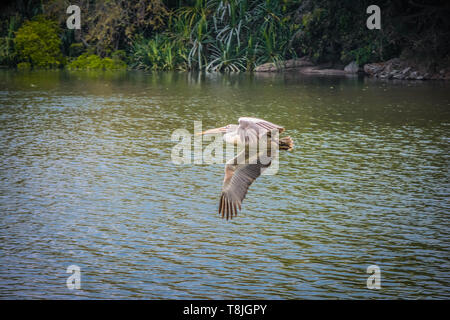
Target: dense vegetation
219	35
37	44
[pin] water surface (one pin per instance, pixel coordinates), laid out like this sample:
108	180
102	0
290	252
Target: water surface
86	178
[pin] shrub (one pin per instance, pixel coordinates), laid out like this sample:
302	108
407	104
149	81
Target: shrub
24	66
93	62
76	49
119	55
37	42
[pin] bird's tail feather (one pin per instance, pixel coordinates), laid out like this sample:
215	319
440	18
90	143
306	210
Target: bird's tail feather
286	143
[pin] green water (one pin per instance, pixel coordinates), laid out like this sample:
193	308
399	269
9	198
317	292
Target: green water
86	178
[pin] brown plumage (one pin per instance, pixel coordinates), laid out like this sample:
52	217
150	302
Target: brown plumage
238	178
242	170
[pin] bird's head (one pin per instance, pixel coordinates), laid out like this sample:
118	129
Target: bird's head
222	130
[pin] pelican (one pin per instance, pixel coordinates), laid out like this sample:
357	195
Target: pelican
239	175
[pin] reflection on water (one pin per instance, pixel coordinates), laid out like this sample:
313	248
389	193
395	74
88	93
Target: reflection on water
86	179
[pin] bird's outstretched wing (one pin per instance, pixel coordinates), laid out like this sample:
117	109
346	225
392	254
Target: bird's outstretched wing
237	180
252	129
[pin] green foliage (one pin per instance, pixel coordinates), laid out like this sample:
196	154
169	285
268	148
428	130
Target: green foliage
333	31
119	55
361	55
219	36
276	30
76	49
24	66
158	53
7	52
312	36
226	58
38	43
111	25
88	61
8	55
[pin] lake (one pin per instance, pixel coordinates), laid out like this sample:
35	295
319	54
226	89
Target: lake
86	179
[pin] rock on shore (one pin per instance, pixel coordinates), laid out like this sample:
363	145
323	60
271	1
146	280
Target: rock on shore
403	70
395	69
305	66
284	65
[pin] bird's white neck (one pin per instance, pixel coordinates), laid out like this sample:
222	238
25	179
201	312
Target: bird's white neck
232	138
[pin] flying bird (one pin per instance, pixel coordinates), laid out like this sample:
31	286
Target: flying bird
255	157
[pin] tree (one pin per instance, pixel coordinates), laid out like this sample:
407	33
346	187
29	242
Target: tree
37	42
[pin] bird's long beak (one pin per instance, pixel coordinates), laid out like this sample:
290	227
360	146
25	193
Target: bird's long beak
213	131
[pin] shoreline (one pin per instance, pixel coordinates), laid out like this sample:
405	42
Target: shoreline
376	71
393	69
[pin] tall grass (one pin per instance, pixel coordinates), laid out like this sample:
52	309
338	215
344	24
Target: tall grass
158	53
